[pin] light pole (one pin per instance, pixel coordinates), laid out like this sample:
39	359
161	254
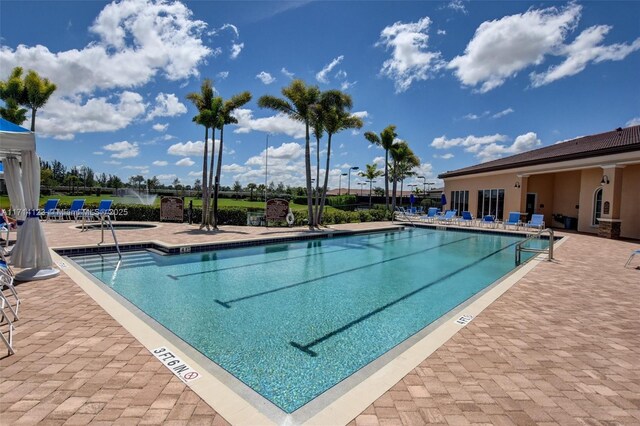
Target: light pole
266	169
349	187
362	185
340	182
424	184
370	182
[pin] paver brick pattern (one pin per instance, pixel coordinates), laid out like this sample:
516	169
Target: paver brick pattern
560	347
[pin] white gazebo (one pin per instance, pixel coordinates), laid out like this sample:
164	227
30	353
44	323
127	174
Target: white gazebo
21	167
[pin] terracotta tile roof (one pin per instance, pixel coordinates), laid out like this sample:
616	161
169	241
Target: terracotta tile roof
616	141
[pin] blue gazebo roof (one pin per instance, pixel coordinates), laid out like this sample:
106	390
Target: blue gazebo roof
7	126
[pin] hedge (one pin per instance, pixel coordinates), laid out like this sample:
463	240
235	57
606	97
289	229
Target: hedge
238	215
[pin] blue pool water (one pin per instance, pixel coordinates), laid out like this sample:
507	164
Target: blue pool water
292	320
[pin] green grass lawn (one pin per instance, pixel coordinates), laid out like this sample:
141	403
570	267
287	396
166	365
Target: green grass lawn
197	202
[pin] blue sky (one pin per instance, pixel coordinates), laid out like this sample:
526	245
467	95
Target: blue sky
464	82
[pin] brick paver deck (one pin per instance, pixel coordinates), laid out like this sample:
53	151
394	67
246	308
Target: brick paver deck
560	347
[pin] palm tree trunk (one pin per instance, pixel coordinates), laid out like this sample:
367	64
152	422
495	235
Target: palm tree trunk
386	179
216	188
205	198
326	182
370	185
401	191
33	119
395	186
307	163
213	154
317	209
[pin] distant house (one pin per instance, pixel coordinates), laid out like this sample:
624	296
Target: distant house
591	184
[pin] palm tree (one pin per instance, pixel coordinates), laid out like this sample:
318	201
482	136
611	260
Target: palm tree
318	113
336	118
301	98
403	161
204	102
251	187
12	93
38	90
227	109
385	140
370	174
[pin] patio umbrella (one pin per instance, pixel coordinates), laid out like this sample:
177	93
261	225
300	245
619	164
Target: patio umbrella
443	199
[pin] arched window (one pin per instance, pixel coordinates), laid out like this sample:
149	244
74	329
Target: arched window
597	207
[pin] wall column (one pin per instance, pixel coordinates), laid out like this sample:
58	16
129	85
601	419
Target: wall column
609	223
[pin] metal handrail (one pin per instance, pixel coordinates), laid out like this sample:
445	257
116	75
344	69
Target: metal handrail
113	232
404	213
520	244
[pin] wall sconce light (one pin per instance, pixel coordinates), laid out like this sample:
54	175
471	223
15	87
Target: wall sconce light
605	180
517	185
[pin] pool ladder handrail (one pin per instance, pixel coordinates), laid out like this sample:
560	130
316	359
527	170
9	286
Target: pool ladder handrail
404	213
520	244
113	232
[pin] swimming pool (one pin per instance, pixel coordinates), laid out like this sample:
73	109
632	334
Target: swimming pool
292	320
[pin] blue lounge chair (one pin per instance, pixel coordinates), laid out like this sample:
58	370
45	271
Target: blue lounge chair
431	215
50	206
103	211
537	221
488	221
449	216
514	220
6	226
74	210
633	254
467	218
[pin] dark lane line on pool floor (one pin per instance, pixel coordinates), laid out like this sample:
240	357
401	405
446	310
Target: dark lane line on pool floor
306	348
227	304
350	246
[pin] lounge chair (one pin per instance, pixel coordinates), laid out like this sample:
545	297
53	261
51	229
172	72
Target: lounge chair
6	280
513	220
431	215
103	211
49	206
489	221
537	221
449	216
466	219
633	254
75	209
6	226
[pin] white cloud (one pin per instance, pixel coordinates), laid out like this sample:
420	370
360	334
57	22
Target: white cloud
265	77
222	75
167	105
159	127
62	118
346	85
113	162
232	27
197	173
186	162
98	153
160	163
446	156
321	76
441	32
123	149
236	48
501	48
137	40
503	113
379	161
470	141
635	121
189	148
166	177
234	168
410	60
458	6
286	164
277	124
287	73
587	47
522	143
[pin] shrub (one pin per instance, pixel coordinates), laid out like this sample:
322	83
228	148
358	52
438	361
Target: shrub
342	202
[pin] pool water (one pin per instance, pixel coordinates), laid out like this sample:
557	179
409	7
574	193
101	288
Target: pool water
293	320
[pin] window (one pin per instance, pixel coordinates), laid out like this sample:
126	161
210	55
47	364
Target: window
460	201
597	207
491	202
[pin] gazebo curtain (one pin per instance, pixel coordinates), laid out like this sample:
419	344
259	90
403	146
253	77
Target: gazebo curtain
13	178
31	249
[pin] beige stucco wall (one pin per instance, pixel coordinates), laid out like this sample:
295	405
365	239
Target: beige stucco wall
475	183
542	186
630	205
566	195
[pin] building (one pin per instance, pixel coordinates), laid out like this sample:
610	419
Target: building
590	183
